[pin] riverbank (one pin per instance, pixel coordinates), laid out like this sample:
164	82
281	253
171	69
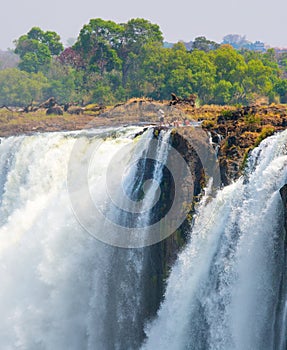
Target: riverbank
234	131
135	111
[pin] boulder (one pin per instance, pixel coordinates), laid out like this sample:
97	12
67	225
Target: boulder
51	102
75	110
57	110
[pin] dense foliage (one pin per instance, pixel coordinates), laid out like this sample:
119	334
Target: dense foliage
111	62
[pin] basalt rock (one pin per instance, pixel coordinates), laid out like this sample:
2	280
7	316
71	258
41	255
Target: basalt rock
283	193
232	141
75	110
163	254
57	110
51	102
177	100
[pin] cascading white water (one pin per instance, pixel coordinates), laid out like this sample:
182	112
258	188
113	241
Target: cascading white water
224	292
60	287
125	304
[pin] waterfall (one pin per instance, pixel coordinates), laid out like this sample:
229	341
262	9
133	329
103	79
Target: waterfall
61	287
79	214
226	290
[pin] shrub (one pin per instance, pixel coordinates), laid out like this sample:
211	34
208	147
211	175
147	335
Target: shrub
266	131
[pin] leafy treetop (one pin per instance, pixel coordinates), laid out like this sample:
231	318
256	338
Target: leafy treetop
36	49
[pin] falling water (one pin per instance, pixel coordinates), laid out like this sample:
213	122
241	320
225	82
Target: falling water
63	288
227	289
60	287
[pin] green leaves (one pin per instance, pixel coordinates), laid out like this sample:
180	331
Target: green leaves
106	45
20	88
111	62
230	65
139	32
36	49
203	44
223	92
281	89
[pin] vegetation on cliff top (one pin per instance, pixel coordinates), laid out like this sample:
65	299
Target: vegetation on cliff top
112	62
236	130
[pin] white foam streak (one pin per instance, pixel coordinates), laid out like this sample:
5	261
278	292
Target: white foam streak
223	291
52	273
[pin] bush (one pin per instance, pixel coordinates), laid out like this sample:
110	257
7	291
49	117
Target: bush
266	131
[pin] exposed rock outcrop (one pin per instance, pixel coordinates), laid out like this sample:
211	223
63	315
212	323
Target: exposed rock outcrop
162	255
76	110
234	131
283	193
57	110
51	102
177	100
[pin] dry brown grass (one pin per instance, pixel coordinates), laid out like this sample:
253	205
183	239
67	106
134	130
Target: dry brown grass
138	110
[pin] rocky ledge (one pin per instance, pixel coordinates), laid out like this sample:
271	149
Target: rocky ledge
234	131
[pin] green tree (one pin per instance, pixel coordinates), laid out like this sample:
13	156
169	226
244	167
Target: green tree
281	89
203	44
19	88
230	65
204	75
97	43
39	57
107	46
36	49
61	83
223	92
258	80
178	72
151	74
136	34
165	70
111	62
49	38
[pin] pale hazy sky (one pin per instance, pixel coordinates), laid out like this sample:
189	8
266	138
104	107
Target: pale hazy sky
178	20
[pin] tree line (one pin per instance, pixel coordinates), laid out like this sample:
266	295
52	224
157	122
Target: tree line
112	62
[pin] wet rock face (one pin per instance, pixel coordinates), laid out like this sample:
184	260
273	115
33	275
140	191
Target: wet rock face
184	143
160	257
283	193
215	137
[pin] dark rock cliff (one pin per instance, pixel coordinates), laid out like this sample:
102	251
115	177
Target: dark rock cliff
199	149
283	193
281	250
195	149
